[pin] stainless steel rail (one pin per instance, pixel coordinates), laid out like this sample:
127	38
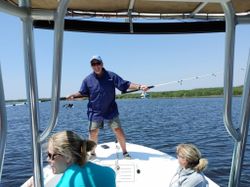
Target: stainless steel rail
239	148
228	69
3	124
31	84
26	15
57	67
239	138
32	92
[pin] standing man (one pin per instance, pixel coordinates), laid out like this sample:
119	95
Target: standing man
99	87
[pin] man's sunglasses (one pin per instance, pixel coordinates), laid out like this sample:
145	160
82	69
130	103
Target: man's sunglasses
96	63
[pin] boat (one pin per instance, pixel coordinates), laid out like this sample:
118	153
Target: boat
146	165
198	16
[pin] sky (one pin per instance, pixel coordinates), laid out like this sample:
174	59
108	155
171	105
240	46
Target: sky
143	59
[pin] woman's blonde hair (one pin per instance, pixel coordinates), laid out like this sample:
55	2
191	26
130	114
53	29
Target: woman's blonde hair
71	145
193	156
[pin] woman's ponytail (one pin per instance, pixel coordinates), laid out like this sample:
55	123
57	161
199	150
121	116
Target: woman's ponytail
85	147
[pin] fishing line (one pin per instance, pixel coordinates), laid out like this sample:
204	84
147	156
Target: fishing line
180	81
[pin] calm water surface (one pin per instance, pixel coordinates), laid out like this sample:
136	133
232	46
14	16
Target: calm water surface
157	123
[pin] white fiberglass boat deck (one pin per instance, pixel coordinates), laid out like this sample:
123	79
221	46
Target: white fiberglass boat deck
148	167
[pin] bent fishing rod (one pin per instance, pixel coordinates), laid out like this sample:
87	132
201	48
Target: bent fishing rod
65	98
173	82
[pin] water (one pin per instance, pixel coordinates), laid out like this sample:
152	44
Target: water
157	123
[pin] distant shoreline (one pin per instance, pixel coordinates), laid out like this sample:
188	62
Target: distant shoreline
199	92
194	93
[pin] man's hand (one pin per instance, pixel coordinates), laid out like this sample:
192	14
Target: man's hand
70	97
144	88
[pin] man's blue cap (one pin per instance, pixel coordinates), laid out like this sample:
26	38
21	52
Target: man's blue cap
96	57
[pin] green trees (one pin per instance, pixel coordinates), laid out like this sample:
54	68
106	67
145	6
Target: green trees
199	92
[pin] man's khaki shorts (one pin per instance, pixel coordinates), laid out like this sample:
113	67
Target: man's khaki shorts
113	123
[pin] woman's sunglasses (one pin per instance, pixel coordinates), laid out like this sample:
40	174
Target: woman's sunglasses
53	156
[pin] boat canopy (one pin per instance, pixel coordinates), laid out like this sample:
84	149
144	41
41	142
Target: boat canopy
139	16
141	6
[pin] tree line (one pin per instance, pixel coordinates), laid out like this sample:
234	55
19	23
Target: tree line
198	92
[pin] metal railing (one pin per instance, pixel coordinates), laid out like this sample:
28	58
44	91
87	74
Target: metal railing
239	137
31	83
57	67
24	12
3	124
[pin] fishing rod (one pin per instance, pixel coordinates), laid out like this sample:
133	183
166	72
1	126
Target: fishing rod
174	82
64	98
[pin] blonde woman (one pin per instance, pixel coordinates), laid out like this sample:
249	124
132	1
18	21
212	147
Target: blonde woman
192	165
67	153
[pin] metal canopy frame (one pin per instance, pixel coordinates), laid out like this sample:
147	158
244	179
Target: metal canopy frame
37	18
